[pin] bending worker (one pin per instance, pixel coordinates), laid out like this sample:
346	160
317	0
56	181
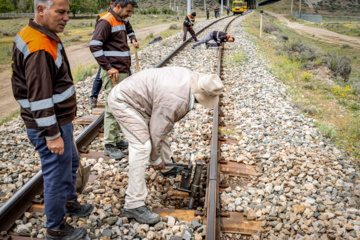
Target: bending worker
146	105
188	26
43	86
110	48
217	36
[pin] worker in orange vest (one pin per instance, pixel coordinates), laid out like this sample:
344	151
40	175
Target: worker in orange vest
188	26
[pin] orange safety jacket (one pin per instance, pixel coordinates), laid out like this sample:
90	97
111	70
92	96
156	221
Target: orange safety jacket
41	80
109	43
189	18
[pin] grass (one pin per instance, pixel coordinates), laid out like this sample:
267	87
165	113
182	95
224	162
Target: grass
81	72
235	59
9	118
333	103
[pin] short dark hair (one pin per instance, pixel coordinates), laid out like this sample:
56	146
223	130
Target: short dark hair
194	14
233	38
124	3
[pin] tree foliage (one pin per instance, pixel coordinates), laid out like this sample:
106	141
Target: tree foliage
6	6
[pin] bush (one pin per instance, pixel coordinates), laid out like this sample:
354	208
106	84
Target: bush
270	27
173	27
341	66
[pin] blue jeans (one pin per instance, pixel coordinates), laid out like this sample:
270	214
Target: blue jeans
59	174
98	84
207	15
206	39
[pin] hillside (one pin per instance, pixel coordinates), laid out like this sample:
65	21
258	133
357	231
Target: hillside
323	7
166	4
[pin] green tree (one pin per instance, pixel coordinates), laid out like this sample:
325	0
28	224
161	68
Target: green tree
6	6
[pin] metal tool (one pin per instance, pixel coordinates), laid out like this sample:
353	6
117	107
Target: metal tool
193	188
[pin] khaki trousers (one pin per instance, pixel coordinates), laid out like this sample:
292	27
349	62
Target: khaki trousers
139	155
111	126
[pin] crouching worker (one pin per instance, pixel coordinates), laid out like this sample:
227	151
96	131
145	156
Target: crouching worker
43	86
218	36
146	105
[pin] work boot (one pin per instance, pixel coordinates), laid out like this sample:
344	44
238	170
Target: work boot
196	40
75	208
93	102
67	232
193	47
207	45
122	145
142	215
113	152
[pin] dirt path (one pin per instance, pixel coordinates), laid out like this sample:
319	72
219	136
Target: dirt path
78	54
319	33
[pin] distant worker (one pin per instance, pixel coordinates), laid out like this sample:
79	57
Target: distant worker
147	105
43	86
228	10
218	36
110	49
188	26
207	14
97	84
216	11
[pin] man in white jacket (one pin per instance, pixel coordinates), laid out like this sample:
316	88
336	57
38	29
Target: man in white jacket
146	105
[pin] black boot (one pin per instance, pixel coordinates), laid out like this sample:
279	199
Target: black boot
142	215
75	208
66	232
122	145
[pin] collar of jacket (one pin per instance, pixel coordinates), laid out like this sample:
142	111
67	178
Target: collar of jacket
115	15
43	30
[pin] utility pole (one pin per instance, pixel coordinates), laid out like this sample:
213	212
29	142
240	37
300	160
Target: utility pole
300	9
222	7
205	5
188	7
291	7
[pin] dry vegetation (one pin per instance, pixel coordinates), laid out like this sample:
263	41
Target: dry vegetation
323	79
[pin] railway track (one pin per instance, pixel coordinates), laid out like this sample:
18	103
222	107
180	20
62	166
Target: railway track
29	197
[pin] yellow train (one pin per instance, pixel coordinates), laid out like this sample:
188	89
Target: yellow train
238	7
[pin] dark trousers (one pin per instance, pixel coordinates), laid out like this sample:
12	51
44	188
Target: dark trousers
97	84
191	30
207	15
59	174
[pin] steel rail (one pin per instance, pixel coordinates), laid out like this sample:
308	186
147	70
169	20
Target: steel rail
212	202
22	199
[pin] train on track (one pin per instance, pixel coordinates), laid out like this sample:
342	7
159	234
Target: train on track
239	7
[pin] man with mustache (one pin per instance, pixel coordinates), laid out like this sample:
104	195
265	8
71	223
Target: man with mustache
43	86
110	49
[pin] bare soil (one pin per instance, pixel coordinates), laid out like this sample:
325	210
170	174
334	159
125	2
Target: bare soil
319	34
78	53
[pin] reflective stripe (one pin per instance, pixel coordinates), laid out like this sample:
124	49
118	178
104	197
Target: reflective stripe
96	43
98	53
47	103
64	95
131	34
42	104
58	61
118	28
24	103
21	45
46	121
217	36
116	53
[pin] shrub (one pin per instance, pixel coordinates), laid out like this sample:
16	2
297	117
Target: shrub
81	72
270	27
327	129
306	76
341	66
173	27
